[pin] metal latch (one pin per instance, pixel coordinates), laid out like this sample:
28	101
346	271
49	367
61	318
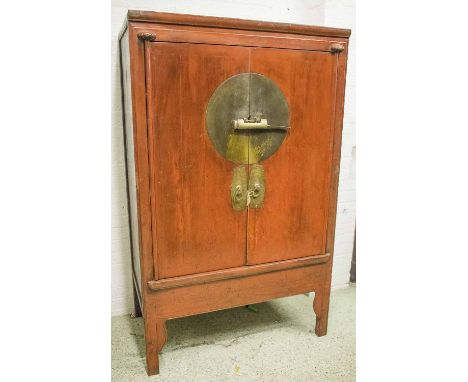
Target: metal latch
254	124
248	124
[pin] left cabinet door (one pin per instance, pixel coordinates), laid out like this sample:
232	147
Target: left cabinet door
195	228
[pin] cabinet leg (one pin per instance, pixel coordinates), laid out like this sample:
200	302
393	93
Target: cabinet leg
136	303
155	337
321	304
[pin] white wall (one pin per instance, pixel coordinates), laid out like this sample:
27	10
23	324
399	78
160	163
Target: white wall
339	13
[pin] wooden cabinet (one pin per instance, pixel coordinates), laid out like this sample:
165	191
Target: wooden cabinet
232	136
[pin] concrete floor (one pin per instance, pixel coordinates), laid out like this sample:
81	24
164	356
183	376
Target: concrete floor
276	344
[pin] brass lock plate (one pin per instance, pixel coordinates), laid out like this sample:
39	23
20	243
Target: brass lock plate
247	118
256	186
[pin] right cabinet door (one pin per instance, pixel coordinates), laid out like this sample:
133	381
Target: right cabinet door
292	222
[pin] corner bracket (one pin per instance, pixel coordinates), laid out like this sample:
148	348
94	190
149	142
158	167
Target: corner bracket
146	36
336	48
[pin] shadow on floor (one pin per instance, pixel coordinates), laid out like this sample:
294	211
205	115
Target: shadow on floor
276	344
223	325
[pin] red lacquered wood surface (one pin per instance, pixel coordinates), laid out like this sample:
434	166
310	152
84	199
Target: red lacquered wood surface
232	273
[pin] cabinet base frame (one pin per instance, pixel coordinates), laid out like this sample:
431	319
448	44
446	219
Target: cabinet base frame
164	304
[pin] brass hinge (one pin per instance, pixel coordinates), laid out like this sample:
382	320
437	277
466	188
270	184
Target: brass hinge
146	36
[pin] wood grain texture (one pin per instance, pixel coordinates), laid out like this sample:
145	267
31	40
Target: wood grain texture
222	294
140	152
196	228
155	335
292	222
231	23
226	274
341	59
176	33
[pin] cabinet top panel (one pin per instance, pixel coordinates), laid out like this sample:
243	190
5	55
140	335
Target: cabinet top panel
230	23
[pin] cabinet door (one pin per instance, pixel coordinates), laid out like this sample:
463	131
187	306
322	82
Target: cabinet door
194	228
292	221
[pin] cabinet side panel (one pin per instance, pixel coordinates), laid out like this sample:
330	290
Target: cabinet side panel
130	158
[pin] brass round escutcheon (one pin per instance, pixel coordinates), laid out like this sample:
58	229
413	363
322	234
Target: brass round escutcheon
247	118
